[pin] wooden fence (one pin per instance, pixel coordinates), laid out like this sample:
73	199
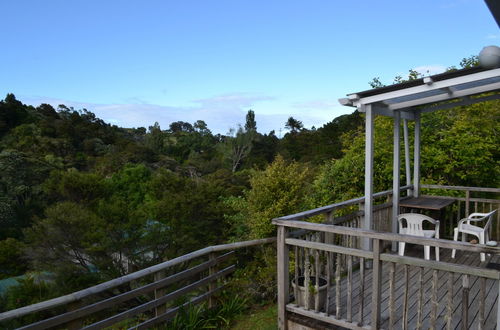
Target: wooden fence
151	293
358	294
314	251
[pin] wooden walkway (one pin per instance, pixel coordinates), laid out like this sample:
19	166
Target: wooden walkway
445	282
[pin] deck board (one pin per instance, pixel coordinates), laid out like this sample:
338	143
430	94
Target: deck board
467	259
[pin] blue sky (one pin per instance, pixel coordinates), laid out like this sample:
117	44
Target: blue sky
137	62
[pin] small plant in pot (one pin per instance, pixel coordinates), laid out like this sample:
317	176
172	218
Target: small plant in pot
300	289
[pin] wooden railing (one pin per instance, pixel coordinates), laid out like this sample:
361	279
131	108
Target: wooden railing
150	292
467	200
349	214
350	281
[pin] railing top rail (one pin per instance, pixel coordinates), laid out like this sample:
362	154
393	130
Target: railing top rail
332	207
78	295
387	236
478	189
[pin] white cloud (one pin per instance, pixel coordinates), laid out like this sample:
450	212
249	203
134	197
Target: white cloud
492	36
220	112
317	104
427	70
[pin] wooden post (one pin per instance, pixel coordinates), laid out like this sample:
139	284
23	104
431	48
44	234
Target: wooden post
369	136
409	192
283	295
376	284
498	308
467	201
78	323
465	301
213	285
395	178
416	157
161	309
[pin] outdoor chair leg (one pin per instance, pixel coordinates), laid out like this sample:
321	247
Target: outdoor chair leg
427	252
401	250
455	238
437	253
481	241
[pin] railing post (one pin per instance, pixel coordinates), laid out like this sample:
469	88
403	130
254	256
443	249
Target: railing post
161	309
213	285
78	323
467	201
376	284
283	282
498	307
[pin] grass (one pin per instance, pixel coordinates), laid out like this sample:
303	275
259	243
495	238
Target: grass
263	318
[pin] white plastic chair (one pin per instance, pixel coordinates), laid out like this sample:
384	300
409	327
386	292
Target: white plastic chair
466	228
414	226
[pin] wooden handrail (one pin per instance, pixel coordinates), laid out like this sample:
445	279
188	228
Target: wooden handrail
385	236
331	207
463	188
75	296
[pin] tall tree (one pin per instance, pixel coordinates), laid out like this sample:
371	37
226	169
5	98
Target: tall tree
294	125
250	123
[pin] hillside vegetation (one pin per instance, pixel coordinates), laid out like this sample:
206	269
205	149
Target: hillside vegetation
86	201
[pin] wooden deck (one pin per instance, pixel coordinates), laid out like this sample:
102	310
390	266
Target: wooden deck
474	295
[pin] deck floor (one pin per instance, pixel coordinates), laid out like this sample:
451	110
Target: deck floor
468	259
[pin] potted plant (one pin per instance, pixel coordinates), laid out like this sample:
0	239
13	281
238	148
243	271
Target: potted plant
299	287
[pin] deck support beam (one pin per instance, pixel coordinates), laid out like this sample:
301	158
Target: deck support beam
369	131
395	177
409	192
416	157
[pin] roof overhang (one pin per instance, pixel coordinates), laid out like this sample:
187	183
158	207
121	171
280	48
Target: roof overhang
494	7
442	91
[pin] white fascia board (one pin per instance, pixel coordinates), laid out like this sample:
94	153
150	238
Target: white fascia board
446	96
435	85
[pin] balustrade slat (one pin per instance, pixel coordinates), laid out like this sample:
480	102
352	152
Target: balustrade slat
328	282
392	283
349	289
316	296
361	290
307	278
405	298
434	300
296	273
465	301
420	297
482	298
337	287
449	305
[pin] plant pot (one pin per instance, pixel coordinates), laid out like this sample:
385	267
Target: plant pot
301	292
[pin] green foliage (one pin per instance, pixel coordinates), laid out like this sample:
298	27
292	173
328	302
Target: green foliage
12	258
278	190
257	278
88	201
30	289
228	307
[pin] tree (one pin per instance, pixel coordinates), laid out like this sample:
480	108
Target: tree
279	190
238	146
181	126
155	138
250	123
294	125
